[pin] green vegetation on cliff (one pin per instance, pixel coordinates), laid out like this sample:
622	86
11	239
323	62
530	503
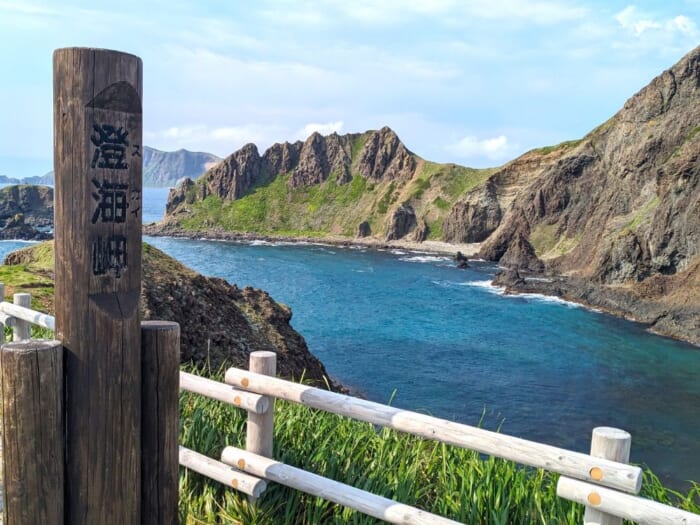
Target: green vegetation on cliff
332	207
325	186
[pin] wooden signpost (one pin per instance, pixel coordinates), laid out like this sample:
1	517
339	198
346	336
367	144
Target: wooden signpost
98	165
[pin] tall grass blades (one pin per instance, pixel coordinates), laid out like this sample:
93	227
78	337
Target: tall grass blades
456	483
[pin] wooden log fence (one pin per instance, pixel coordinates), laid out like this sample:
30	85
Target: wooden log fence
361	500
573	464
603	485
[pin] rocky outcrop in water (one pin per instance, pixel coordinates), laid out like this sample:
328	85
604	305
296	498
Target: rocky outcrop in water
26	212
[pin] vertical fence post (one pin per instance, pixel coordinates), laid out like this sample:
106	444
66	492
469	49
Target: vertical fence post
32	419
608	443
21	330
98	162
160	389
260	427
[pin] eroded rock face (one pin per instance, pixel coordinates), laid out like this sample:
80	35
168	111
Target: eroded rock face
235	175
384	157
26	211
364	229
314	166
401	222
474	218
378	155
625	198
34	203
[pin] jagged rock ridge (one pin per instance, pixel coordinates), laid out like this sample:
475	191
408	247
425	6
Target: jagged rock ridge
378	157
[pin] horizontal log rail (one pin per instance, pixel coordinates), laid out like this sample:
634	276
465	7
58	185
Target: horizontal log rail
573	464
29	315
591	481
361	500
221	392
626	506
222	472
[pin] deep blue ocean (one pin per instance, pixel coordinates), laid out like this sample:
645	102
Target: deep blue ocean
414	329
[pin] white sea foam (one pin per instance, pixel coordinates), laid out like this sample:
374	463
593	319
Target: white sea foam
398	252
485	285
425	259
23	241
548	299
499	290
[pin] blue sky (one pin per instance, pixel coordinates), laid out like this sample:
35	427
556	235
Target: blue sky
467	81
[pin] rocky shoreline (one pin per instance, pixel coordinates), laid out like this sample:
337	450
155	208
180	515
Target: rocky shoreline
651	307
216	234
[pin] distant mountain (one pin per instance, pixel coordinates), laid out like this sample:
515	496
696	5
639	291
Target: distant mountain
160	168
165	168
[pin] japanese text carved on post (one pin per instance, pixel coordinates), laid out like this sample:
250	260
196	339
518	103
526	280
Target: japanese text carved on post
98	166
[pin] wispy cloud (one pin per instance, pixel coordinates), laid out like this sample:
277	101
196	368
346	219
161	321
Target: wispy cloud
495	148
323	129
638	23
25	8
220	140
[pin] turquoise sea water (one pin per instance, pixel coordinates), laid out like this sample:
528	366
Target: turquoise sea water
442	340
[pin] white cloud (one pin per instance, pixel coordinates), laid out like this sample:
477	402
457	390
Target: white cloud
637	22
388	12
323	129
495	148
219	140
26	8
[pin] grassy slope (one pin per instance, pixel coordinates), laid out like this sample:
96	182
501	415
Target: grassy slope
331	208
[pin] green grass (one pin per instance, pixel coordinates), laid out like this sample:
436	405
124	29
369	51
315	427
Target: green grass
275	208
449	481
387	199
643	214
549	245
567	144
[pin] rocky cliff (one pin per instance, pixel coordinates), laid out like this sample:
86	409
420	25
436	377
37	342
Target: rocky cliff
25	211
220	323
617	213
366	184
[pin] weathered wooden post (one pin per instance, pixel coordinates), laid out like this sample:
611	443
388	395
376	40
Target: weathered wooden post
160	387
97	164
608	443
21	329
32	419
2	319
260	428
